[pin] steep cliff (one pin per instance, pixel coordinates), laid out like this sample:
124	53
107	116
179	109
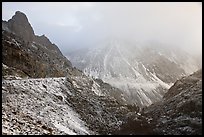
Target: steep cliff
35	55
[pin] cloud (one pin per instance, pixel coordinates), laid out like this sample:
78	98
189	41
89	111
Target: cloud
81	24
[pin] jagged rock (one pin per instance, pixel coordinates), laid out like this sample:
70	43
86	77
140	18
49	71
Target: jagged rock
20	26
179	113
34	55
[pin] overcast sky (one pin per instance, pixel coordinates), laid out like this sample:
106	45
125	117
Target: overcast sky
70	25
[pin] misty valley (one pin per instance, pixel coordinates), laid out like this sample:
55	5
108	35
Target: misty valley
113	85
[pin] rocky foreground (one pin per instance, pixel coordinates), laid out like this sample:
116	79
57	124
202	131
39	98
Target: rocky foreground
77	105
59	106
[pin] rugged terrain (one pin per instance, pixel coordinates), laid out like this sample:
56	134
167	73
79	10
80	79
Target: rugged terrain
34	55
42	93
144	71
179	112
72	105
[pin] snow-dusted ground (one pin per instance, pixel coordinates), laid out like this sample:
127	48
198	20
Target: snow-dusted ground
44	100
122	66
127	77
95	89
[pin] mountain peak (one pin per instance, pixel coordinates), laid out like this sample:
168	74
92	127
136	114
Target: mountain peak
19	13
20	18
20	25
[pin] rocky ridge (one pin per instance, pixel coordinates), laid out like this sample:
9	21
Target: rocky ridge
179	112
35	55
144	71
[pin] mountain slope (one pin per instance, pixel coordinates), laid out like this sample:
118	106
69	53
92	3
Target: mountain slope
179	112
35	55
66	105
25	112
144	72
37	98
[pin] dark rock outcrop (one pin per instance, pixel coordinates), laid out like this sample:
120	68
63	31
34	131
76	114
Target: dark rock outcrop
183	84
44	41
35	55
19	25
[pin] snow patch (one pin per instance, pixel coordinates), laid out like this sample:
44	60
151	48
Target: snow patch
34	46
4	66
96	90
38	101
15	42
12	77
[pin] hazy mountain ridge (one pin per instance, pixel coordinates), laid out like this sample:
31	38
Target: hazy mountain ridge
143	71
